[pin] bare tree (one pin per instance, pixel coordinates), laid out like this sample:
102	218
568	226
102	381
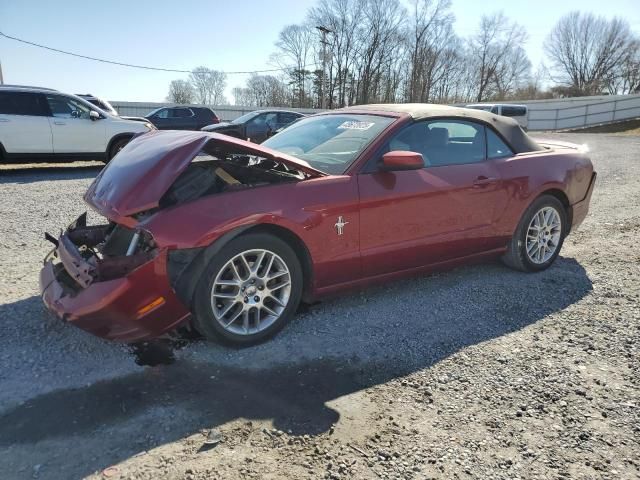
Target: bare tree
587	50
625	77
378	37
498	42
343	18
429	36
296	52
267	91
180	91
208	85
242	96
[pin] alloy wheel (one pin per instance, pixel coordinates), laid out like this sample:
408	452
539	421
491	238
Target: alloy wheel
251	291
543	235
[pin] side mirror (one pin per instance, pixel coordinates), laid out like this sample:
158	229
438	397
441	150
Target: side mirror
93	115
402	160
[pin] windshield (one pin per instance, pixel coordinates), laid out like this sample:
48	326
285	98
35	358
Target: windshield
245	117
329	143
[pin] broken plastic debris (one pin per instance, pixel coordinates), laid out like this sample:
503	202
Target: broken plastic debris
213	438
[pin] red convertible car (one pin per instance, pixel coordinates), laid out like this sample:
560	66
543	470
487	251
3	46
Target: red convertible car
231	236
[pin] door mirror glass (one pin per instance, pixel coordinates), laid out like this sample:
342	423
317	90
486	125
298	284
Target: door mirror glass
93	115
402	160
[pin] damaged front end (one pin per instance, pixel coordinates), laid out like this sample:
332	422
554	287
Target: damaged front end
116	280
111	281
100	252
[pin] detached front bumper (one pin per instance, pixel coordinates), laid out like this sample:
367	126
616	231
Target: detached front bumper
137	306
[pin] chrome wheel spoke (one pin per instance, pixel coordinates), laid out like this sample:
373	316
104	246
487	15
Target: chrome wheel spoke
225	295
277	275
256	264
234	318
245	320
278	287
228	308
269	266
276	300
269	311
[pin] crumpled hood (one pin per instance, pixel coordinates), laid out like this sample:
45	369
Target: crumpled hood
136	178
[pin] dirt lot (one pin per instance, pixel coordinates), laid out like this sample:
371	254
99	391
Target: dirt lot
481	372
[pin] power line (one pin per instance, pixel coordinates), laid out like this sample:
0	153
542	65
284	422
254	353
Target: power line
130	65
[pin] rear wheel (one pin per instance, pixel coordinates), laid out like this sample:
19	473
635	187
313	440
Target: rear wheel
539	236
249	290
116	147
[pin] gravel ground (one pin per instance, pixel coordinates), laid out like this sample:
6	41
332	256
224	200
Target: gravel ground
480	372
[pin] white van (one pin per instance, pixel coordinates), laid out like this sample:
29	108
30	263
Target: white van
519	113
44	123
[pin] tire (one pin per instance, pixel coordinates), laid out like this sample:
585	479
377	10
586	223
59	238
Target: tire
535	256
116	147
237	290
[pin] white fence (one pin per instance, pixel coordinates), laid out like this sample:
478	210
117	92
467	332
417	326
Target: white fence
552	114
582	111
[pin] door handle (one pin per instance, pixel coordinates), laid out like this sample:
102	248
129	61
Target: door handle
58	122
4	120
483	181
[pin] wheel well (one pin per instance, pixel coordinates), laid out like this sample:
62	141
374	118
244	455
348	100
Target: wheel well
296	244
185	266
115	138
562	197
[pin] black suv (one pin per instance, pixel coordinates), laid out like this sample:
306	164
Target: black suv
182	118
256	126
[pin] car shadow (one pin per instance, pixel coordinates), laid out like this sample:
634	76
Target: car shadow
31	174
310	364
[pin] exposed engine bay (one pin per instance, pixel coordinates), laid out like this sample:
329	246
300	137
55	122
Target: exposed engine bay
88	253
219	172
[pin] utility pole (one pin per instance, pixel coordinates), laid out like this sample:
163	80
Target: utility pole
1	77
323	31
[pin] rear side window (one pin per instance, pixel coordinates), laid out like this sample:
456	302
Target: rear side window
205	113
286	118
181	113
511	111
496	148
22	103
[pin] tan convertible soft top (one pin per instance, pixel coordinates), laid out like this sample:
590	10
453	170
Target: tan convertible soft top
508	128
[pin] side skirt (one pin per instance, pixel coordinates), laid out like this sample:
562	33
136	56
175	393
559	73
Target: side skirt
377	279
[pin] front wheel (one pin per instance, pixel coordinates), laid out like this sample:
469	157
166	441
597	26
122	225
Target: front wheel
249	290
116	147
537	241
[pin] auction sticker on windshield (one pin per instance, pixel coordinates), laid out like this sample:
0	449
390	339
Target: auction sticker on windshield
353	125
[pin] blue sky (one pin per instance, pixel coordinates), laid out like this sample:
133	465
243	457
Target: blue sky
224	35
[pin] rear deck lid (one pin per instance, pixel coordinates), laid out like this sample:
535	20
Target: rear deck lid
136	179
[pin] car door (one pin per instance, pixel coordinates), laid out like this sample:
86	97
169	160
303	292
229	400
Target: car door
162	118
441	212
24	126
182	119
72	128
258	128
